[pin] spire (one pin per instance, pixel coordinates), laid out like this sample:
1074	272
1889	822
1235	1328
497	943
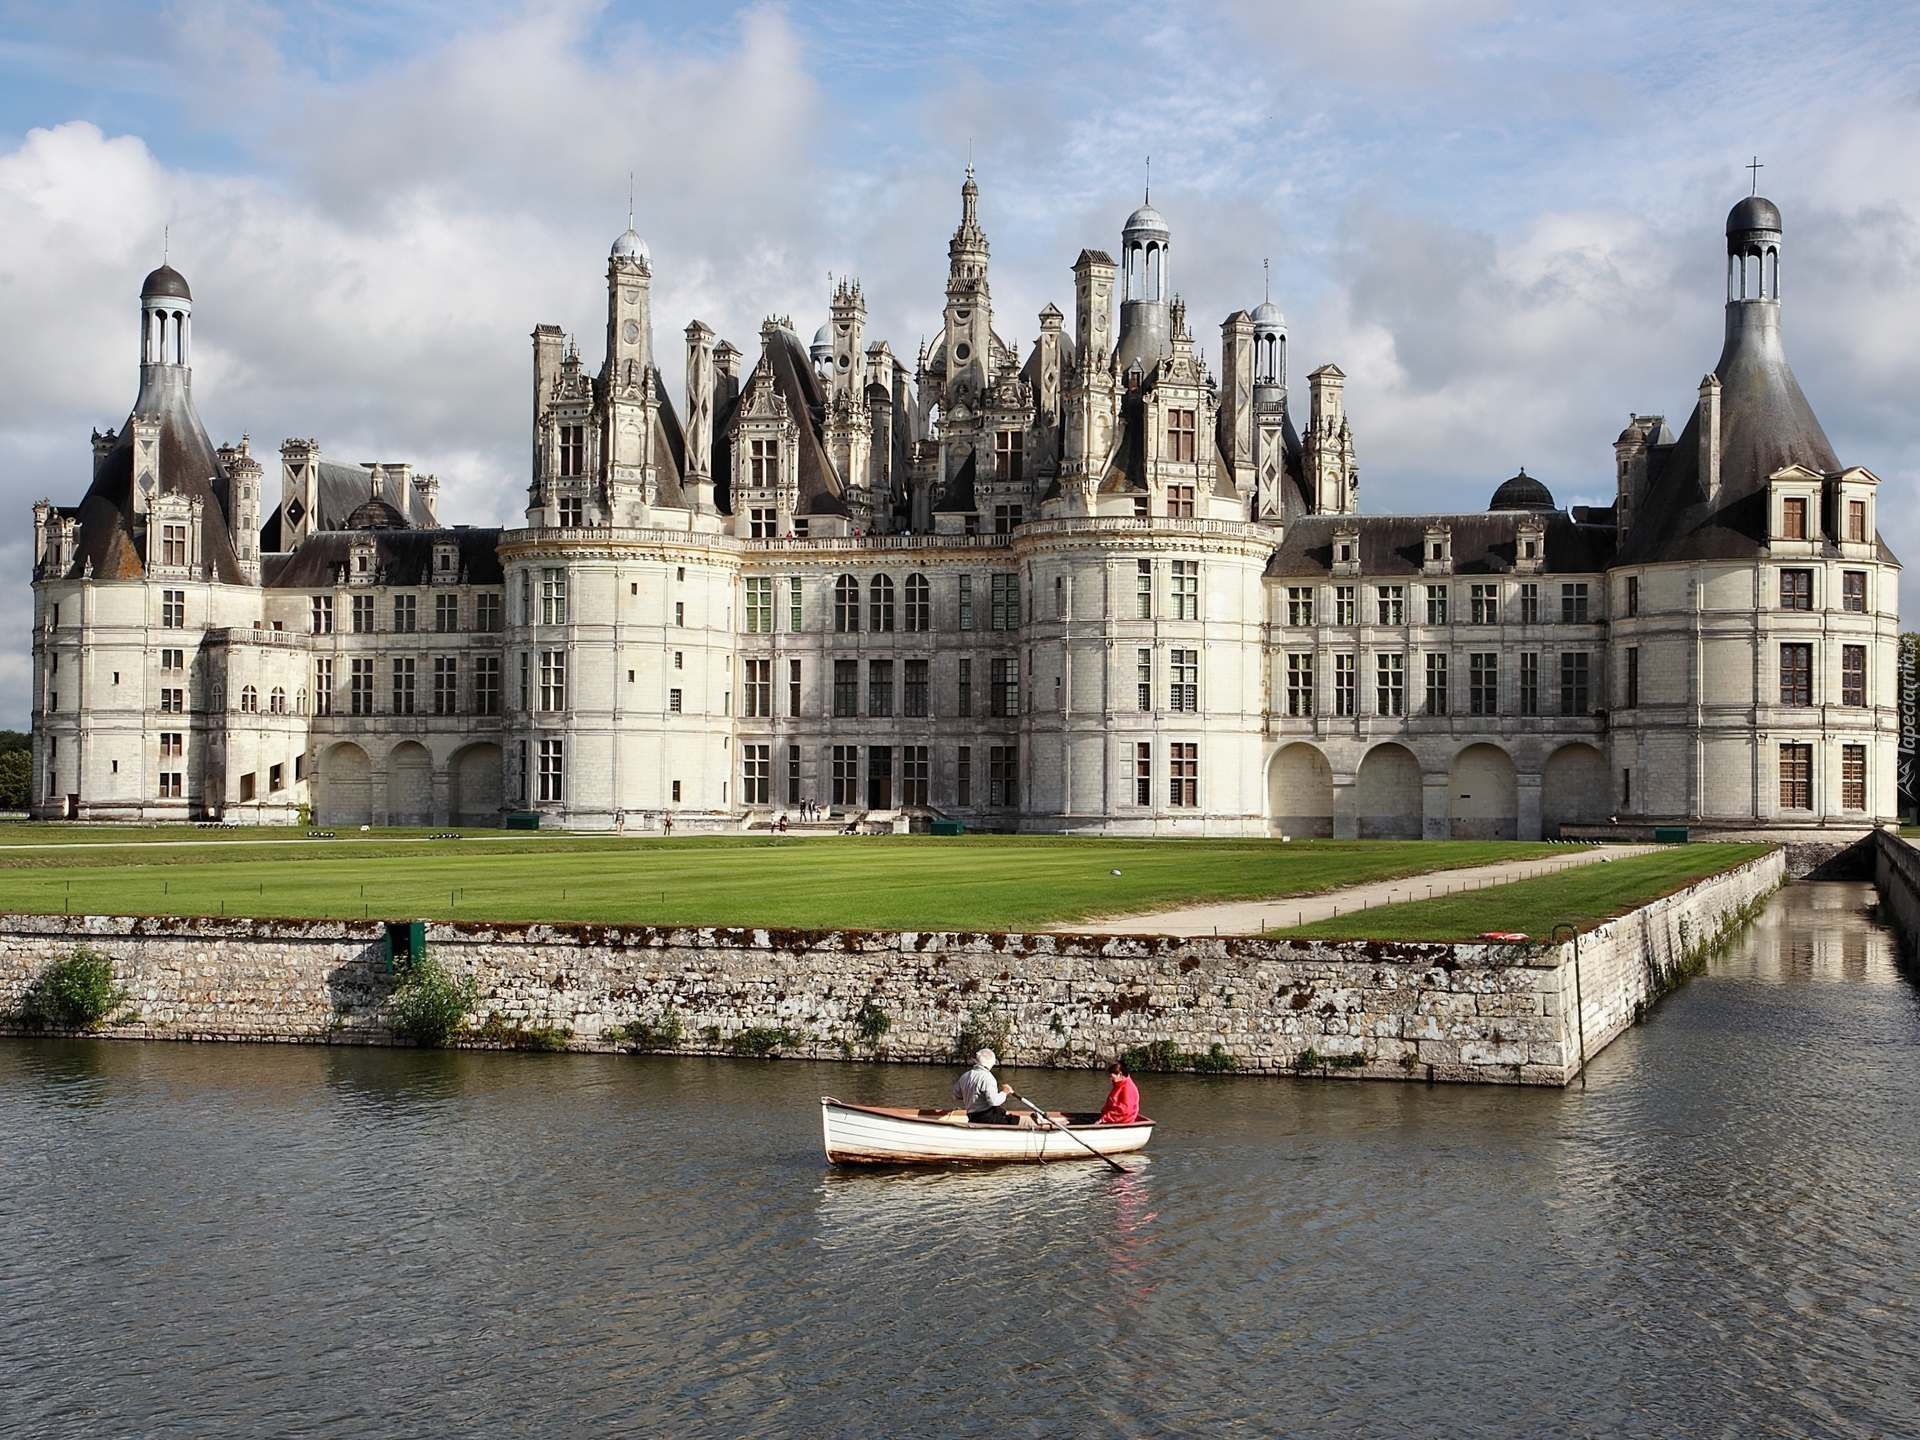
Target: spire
1147	199
968	249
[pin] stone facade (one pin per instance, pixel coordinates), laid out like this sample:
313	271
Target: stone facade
1369	1010
1096	588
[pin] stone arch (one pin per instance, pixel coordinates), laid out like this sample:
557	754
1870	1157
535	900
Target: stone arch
344	792
477	788
1483	795
409	784
1300	792
1387	794
1576	788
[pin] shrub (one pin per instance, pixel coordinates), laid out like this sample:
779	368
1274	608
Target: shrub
663	1032
75	993
430	1006
983	1029
762	1041
520	1036
1164	1056
872	1023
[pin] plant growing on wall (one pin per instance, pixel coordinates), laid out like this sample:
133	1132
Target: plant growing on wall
984	1029
430	1006
76	993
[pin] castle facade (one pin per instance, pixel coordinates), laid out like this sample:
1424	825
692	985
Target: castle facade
1091	588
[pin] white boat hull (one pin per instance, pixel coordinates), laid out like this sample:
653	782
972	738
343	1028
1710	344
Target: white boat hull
883	1135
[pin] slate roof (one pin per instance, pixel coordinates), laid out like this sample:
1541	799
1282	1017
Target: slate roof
1483	544
794	379
401	557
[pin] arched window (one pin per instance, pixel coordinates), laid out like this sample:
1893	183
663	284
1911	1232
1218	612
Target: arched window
919	603
300	701
846	605
250	700
880	610
1155	264
277	701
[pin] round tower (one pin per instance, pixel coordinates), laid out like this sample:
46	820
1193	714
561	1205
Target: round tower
1146	328
1269	350
166	319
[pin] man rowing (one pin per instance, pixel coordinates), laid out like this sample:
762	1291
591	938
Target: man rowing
981	1095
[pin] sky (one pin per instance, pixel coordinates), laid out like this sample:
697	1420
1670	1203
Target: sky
1502	220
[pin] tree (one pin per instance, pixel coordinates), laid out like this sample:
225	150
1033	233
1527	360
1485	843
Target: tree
16	779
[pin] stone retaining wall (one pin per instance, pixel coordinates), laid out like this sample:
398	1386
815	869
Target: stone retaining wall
1366	1009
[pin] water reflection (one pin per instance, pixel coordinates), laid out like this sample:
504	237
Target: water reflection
1717	1236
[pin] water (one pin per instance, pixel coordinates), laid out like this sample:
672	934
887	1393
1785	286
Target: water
1716	1238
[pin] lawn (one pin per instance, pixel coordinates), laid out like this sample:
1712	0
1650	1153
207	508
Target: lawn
1583	896
884	882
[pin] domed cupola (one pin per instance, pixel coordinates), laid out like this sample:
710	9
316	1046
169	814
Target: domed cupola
1522	492
1269	346
166	283
821	350
630	247
1146	290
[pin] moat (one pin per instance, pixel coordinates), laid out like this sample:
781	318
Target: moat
1717	1235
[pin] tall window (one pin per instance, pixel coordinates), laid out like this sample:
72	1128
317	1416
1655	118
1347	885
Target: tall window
1299	605
1530	684
759	605
846	605
1483	604
1059	597
1853	675
572	511
764	462
1180	502
793	774
526	682
1006	519
323	614
446	685
915	772
1390	604
446	613
1796	674
1344	687
963	691
1574	697
763	522
1853	590
913	690
1183	680
1853	774
1483	682
793	687
880	687
486	685
756	698
676	698
573	449
1004	692
173	700
173	609
1143	676
844	775
553	597
1300	684
323	686
1573	604
1529	603
553	680
1003	775
1857	529
919	616
249	700
172	744
1006	602
880	604
1180	436
552	770
1793	518
1008	456
1390	684
406	614
1183	774
489	613
846	688
1143	589
1633	677
756	774
403	677
1436	684
1796	589
1633	596
360	682
1436	604
966	602
173	544
796	612
1346	608
1796	777
1142	773
1183	589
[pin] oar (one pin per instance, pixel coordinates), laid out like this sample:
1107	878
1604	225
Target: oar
1064	1130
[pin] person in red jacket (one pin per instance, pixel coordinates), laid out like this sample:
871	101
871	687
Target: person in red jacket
1123	1099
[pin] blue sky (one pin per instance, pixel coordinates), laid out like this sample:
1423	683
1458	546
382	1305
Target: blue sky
1502	220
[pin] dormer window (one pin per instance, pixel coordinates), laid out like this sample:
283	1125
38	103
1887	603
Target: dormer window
1793	518
764	461
173	544
1346	554
573	449
1009	456
1857	521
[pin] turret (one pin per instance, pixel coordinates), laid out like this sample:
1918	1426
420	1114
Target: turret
626	440
698	484
1332	478
1146	287
244	478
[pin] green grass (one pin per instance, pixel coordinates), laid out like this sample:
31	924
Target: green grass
1583	896
883	882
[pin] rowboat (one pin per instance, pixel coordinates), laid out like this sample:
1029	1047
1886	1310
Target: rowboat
889	1135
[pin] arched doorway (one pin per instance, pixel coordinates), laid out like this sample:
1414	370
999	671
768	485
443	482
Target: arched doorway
1483	795
1387	794
344	792
1300	793
1576	788
476	786
409	785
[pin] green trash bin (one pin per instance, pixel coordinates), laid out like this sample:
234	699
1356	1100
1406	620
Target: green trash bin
521	820
1669	834
949	827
